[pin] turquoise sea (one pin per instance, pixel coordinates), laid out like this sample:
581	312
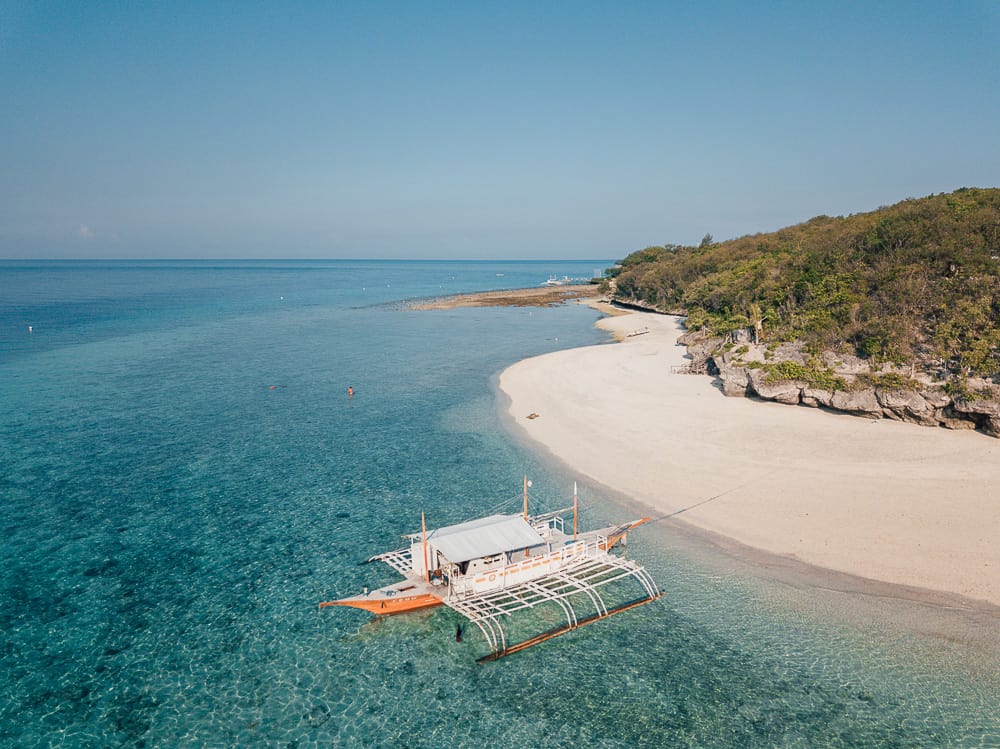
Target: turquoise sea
183	479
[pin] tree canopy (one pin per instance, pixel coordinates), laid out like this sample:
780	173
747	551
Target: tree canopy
914	283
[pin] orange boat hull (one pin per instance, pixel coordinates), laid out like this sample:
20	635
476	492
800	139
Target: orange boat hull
381	606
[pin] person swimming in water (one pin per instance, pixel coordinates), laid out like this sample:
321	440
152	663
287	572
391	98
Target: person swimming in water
350	391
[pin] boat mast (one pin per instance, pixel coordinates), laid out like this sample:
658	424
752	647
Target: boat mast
427	569
527	552
574	511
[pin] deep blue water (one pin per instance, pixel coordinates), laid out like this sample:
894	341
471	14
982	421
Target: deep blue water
183	478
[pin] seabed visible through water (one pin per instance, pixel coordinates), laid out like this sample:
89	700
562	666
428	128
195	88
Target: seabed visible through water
183	479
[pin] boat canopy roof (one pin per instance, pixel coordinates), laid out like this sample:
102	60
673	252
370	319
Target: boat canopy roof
483	537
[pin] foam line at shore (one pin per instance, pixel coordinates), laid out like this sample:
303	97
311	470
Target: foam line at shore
889	501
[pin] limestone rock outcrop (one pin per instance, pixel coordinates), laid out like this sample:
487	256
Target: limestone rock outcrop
984	413
742	369
782	391
861	402
930	406
735	380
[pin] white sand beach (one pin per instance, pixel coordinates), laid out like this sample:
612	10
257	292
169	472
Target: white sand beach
883	500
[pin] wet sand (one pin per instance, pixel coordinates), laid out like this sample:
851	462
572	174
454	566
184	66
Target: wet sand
884	501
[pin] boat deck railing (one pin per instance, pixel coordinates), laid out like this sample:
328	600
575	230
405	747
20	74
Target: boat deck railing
585	576
550	521
398	559
502	575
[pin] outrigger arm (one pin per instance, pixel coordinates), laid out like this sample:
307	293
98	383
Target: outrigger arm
487	610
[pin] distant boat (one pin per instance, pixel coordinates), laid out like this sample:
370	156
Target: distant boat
553	281
565	281
486	569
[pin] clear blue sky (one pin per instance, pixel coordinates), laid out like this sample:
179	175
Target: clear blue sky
469	130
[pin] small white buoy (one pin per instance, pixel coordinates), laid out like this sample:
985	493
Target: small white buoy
31	329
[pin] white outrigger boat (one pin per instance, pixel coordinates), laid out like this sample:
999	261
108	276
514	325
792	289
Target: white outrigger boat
487	569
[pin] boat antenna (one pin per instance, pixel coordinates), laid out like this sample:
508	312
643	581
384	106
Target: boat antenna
574	511
427	569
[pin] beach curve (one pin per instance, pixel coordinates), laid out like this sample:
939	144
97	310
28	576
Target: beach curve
886	501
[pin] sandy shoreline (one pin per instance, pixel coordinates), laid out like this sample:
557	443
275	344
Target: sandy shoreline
887	501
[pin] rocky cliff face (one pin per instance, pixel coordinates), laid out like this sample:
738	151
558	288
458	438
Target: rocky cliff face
743	371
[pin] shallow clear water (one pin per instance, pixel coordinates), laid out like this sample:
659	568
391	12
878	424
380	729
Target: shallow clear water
183	478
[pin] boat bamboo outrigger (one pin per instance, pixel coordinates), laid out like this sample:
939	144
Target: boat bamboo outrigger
490	568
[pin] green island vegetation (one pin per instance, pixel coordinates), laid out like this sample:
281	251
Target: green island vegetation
915	285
